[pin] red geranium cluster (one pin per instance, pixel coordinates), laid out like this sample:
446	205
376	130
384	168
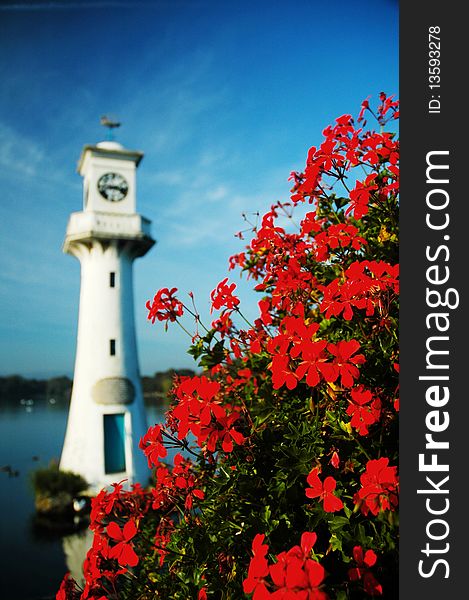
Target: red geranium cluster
294	575
118	503
152	445
67	590
99	569
345	147
361	195
184	480
178	483
200	410
306	390
165	306
362	572
364	409
222	296
363	286
379	489
114	516
297	354
333	237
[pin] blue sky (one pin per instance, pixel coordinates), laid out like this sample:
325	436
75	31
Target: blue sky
224	98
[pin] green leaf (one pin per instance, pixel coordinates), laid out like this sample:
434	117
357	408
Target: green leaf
336	543
337	523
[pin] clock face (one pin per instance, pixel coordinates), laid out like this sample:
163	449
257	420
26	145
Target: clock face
113	187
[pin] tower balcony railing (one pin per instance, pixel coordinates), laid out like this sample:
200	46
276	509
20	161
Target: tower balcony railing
82	225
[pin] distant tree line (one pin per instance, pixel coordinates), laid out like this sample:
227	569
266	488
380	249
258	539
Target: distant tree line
15	387
157	386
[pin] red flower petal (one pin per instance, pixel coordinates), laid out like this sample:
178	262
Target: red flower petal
332	503
114	531
130	529
315	573
308	539
128	556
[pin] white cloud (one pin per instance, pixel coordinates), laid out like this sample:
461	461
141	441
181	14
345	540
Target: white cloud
170	177
18	153
218	193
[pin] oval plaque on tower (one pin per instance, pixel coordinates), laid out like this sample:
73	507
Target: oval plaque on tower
113	390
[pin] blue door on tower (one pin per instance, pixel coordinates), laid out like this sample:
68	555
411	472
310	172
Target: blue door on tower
114	443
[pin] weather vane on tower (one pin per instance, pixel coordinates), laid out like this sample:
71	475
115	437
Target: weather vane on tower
111	125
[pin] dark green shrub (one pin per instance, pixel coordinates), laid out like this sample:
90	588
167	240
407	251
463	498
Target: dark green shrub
50	481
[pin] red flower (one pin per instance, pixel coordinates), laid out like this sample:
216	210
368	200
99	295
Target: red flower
164	306
103	504
365	106
281	372
335	460
152	445
362	571
200	411
360	196
386	105
338	235
327	154
315	573
294	575
123	550
379	487
297	577
314	363
163	483
223	431
323	491
265	307
185	481
228	434
345	361
308	539
197	403
96	566
163	537
223	324
67	588
364	409
337	299
202	595
258	569
310	224
366	285
222	296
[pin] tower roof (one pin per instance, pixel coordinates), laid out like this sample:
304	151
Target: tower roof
109	149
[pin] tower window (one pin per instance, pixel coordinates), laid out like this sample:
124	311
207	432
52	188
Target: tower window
112	347
112	279
114	443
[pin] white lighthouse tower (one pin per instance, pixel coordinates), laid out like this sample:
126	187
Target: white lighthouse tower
107	417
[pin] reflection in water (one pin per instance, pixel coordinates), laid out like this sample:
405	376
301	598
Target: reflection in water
75	547
46	529
34	558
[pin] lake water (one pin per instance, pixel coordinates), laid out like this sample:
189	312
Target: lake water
33	561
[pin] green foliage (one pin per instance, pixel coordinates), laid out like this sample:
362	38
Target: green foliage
51	481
